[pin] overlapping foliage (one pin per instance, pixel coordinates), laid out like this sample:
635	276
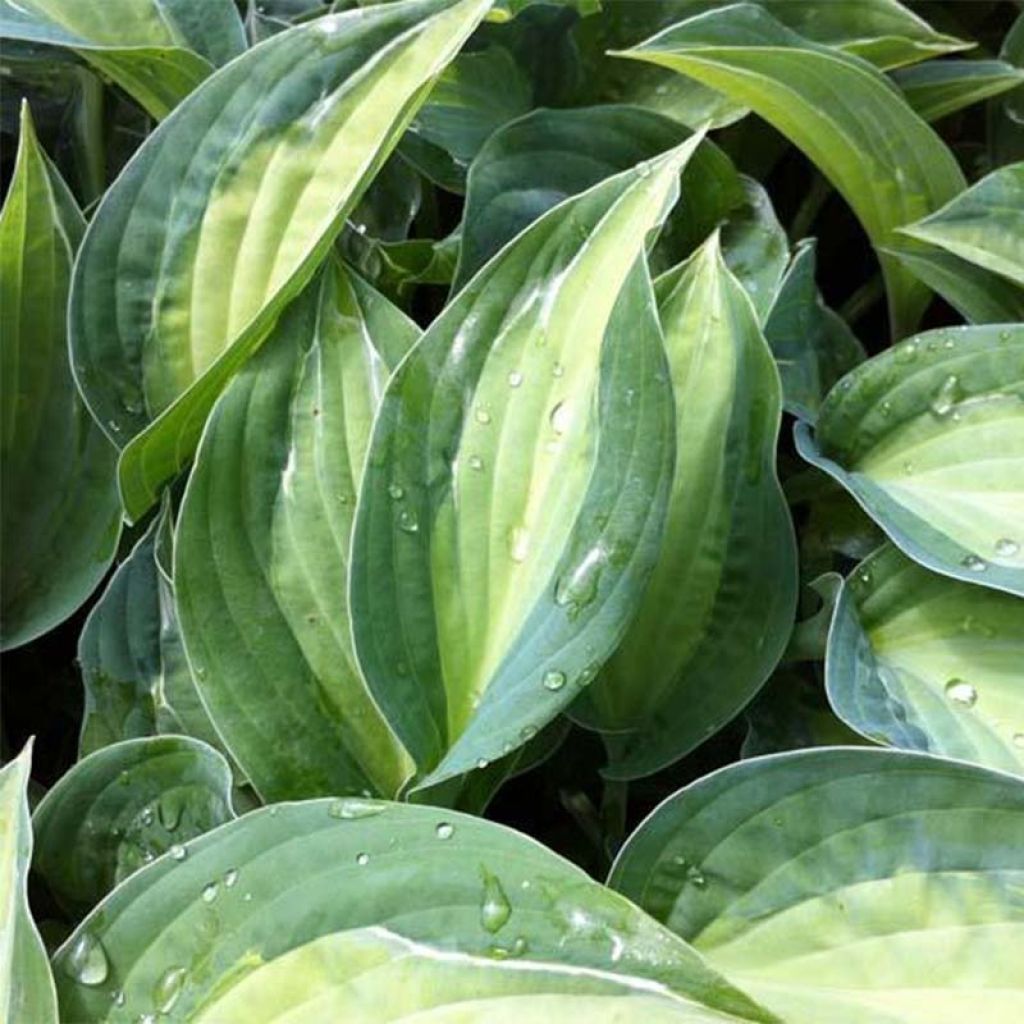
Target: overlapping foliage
424	417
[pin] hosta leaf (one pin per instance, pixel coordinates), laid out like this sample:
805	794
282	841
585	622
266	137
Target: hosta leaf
929	438
881	31
516	485
694	654
371	976
924	662
984	224
237	912
475	95
60	521
534	163
121	807
846	885
812	345
137	682
26	985
853	123
262	547
942	87
158	51
978	295
755	247
226	210
1006	115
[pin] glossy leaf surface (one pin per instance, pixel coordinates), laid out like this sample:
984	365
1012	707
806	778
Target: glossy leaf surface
923	662
60	520
121	807
227	209
929	438
694	654
984	224
845	885
517	479
158	51
262	547
26	985
247	898
885	161
939	88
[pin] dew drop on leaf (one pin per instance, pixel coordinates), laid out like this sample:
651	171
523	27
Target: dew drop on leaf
353	808
362	859
87	960
518	543
230	877
974	563
946	397
444	830
961	692
642	169
482	416
1006	547
396	491
407	522
209	893
476	463
178	852
515	379
559	418
495	909
554	681
168	988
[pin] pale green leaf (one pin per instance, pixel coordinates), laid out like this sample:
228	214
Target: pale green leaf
120	808
942	87
262	548
26	985
235	915
158	51
846	885
719	607
845	115
984	224
924	662
226	211
515	490
61	520
929	438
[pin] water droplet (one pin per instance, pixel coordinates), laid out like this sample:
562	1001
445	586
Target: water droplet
1006	547
959	691
87	961
886	409
560	418
168	988
407	522
974	563
518	948
557	370
247	897
147	816
906	353
864	577
396	491
578	588
363	859
230	877
146	1018
118	998
515	379
642	169
1004	335
482	763
1018	739
209	893
554	681
353	808
482	416
178	852
946	397
444	830
528	732
476	463
495	908
518	543
908	468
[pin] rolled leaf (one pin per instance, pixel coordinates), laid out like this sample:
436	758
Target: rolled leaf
845	885
813	346
984	224
929	438
534	163
923	662
846	116
60	521
516	485
235	915
262	548
158	51
942	87
717	612
122	807
227	209
26	984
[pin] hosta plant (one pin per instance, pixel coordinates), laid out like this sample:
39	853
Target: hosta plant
512	509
